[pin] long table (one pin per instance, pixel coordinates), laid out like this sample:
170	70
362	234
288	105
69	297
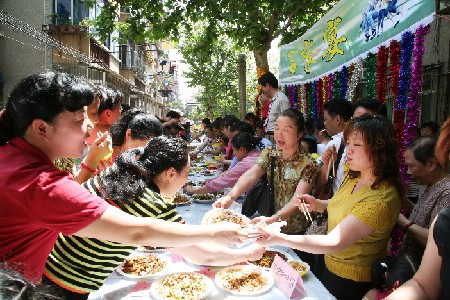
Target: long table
117	286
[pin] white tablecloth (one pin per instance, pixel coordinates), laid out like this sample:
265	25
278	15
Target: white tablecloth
117	286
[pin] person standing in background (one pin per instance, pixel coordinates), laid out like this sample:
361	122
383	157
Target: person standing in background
109	111
279	102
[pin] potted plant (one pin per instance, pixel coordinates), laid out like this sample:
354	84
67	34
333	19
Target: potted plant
53	27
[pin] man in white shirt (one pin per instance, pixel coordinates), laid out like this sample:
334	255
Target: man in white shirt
336	114
279	102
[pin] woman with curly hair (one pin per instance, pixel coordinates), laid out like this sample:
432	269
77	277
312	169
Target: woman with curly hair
361	214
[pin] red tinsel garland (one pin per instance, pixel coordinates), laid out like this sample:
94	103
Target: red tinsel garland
382	63
394	49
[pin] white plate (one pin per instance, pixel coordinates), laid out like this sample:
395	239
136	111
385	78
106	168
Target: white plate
287	255
164	258
209	217
245	268
154	290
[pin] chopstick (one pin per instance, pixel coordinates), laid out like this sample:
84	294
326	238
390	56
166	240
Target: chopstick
306	212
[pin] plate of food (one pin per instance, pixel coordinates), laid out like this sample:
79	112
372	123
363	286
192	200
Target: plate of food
301	267
182	285
144	266
244	280
208	173
268	256
225	215
179	200
204	198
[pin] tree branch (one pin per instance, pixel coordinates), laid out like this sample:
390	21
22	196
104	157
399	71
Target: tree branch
291	17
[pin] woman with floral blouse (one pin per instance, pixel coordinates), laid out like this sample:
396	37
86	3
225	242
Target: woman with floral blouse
294	173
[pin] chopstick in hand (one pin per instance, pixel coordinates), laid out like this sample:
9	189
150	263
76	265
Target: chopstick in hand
306	212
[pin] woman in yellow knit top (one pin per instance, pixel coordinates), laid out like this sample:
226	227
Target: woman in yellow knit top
361	214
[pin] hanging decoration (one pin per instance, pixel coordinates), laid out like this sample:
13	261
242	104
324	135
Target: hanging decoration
371	65
320	90
290	94
310	100
336	85
315	106
382	65
413	106
354	79
344	82
306	99
394	67
295	90
330	86
300	98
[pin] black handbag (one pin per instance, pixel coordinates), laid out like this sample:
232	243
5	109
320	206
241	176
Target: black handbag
260	198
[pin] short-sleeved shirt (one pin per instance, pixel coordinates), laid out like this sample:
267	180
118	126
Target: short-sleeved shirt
426	209
278	104
287	174
377	208
82	264
37	202
232	175
440	234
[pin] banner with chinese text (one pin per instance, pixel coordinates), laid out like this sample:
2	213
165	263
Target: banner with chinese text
348	31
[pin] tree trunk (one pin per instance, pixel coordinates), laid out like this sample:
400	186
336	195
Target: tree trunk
262	67
261	58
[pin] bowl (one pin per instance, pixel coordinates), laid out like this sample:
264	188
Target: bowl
301	267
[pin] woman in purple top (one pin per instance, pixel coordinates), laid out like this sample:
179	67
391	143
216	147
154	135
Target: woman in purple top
244	148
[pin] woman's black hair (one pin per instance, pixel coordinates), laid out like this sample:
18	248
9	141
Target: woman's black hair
142	126
229	121
259	124
42	96
246	140
112	99
312	144
423	148
252	116
295	116
130	176
14	286
217	124
242	127
386	272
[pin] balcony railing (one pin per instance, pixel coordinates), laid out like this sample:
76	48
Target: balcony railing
132	57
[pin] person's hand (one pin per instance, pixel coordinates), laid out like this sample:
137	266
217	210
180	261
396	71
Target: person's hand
227	233
223	202
269	234
188	190
311	203
103	164
402	221
250	253
100	148
328	154
262	219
